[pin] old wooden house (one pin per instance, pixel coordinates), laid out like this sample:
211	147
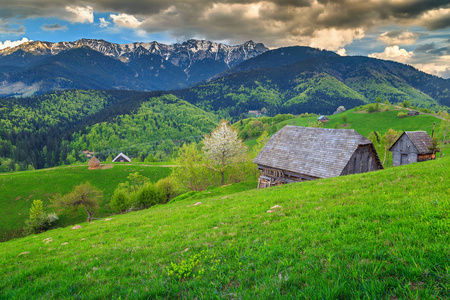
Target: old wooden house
411	147
300	153
121	158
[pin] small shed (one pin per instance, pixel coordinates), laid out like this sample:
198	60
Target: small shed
121	158
301	153
94	163
411	147
413	113
323	119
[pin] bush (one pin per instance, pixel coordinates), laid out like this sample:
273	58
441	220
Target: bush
39	221
120	201
371	108
402	114
167	189
147	196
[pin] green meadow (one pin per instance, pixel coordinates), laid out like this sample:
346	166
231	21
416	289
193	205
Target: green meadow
19	189
378	235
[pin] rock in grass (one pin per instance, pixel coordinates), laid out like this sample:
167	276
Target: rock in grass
198	203
77	227
275	207
108	219
24	253
270	211
66	243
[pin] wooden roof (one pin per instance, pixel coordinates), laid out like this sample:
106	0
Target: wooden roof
316	152
420	139
322	118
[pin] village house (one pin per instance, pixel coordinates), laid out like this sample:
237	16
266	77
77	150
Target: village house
323	119
121	158
301	153
257	113
411	147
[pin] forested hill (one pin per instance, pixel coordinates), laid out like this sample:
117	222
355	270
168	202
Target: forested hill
52	129
318	84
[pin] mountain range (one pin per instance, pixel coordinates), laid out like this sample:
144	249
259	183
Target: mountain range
39	67
227	80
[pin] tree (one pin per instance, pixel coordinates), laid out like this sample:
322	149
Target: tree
340	109
260	143
406	104
192	173
120	200
39	221
388	139
84	195
344	119
223	148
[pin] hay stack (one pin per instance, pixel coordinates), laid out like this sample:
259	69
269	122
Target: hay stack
94	163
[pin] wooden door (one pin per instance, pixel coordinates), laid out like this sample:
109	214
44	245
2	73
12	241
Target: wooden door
404	160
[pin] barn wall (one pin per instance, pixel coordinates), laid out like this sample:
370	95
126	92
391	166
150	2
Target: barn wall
404	146
362	161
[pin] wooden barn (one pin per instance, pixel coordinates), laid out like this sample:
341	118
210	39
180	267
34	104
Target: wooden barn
411	147
300	153
121	158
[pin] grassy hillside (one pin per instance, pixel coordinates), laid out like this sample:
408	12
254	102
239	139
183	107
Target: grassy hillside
379	235
18	190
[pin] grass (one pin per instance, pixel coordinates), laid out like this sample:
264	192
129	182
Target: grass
378	235
19	189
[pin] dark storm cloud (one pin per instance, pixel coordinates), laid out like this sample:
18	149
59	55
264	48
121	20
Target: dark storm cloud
275	22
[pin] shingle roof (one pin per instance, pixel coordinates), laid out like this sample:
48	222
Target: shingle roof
322	118
317	152
420	139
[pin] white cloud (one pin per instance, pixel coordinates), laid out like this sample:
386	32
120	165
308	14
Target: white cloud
342	52
104	23
394	53
125	20
79	14
12	44
332	39
427	62
397	37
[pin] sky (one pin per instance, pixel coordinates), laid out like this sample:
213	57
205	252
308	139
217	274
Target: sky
415	32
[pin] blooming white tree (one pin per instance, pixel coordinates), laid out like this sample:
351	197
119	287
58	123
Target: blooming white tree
223	148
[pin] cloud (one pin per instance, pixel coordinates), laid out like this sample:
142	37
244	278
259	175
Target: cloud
399	37
54	27
104	23
342	52
124	20
427	58
435	19
6	28
79	14
12	44
320	23
393	53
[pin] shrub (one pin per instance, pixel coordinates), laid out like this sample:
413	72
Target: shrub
167	189
39	221
371	108
120	201
402	114
147	196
